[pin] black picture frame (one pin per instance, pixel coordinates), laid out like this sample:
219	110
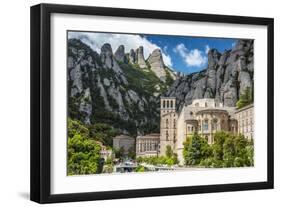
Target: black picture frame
41	99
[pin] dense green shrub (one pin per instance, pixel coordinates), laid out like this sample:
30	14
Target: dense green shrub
83	154
228	150
245	98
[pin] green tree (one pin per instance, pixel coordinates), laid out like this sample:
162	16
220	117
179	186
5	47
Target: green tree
169	151
83	153
230	150
175	158
245	98
219	138
140	169
103	133
131	153
119	152
195	150
83	156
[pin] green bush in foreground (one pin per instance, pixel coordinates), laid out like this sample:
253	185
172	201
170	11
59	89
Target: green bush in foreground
170	158
83	153
228	150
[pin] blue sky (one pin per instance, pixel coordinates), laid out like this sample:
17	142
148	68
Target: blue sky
190	54
182	53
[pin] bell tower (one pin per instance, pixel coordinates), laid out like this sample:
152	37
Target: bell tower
168	123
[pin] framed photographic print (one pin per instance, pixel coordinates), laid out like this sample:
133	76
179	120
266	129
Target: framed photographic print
133	103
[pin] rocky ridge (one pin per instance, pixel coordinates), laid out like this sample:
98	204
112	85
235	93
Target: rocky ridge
227	76
119	89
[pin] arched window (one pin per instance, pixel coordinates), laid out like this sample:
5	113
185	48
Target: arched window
188	128
164	103
222	124
167	123
171	104
205	125
215	124
174	123
206	104
168	104
167	136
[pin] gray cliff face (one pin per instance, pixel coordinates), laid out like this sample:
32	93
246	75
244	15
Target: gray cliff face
102	88
132	56
120	54
227	76
157	65
140	58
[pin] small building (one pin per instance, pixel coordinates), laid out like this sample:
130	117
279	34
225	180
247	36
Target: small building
105	153
147	145
124	141
245	118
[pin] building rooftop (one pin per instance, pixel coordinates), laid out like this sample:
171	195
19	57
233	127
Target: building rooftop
123	136
149	136
244	108
211	110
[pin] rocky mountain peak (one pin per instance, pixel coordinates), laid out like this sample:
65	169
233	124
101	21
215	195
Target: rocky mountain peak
111	88
120	53
157	64
132	56
109	61
213	58
140	57
106	49
227	76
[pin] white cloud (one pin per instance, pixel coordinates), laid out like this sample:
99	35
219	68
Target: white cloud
181	50
130	41
193	57
207	48
165	48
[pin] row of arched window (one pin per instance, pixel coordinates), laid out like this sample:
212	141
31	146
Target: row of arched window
167	104
214	124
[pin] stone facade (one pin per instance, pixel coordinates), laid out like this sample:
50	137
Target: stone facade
168	124
205	116
105	153
147	145
245	118
124	141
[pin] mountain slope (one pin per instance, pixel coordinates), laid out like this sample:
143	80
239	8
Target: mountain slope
227	76
118	89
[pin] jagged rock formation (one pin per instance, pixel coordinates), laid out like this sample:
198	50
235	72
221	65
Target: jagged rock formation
132	56
140	58
123	89
157	64
118	89
227	76
120	54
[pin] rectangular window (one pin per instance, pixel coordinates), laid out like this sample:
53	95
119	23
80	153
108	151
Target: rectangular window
205	126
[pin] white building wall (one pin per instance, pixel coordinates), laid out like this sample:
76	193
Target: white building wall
181	135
